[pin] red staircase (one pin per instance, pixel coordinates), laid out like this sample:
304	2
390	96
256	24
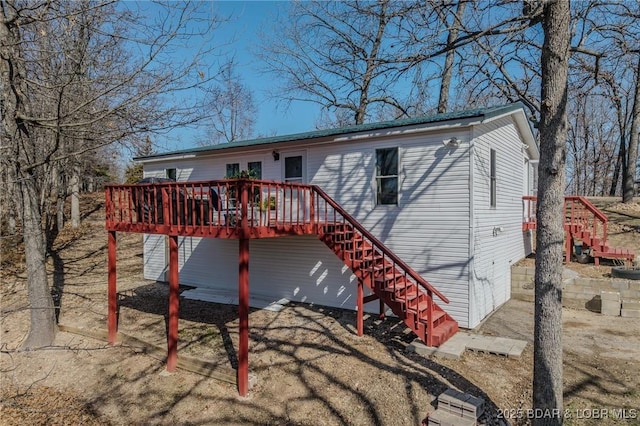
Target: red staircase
583	222
390	279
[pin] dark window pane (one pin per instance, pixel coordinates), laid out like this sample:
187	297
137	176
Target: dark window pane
170	173
387	176
293	167
387	162
493	189
255	167
233	170
387	191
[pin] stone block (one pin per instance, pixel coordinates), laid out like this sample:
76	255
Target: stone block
610	307
444	418
460	404
575	295
630	294
519	276
630	313
634	285
620	284
587	282
472	407
632	304
521	270
450	401
610	295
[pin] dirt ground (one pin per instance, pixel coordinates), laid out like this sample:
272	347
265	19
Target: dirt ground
311	368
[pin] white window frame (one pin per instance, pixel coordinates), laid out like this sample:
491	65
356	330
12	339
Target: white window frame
376	177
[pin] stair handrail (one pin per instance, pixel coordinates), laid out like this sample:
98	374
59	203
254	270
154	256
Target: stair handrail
379	244
597	214
588	205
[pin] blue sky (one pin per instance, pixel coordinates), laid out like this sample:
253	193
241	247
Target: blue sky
239	39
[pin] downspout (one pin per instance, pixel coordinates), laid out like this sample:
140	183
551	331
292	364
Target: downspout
471	266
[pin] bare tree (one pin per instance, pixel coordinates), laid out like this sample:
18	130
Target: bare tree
632	157
340	55
126	78
547	368
447	72
232	108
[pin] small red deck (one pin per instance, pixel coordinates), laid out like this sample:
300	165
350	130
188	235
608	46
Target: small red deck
584	222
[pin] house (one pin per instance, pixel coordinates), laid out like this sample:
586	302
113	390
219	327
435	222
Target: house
443	192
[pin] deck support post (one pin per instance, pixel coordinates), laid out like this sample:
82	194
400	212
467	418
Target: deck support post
174	305
243	312
569	245
382	310
360	313
243	293
112	295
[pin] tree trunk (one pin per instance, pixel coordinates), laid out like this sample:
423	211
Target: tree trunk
75	196
43	321
445	84
547	369
632	154
616	171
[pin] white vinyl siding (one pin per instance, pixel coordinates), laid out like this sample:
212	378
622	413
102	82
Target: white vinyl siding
154	263
497	241
430	228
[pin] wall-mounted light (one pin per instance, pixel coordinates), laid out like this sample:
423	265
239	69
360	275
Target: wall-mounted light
276	155
451	143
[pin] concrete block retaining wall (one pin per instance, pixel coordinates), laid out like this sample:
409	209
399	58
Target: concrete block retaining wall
577	292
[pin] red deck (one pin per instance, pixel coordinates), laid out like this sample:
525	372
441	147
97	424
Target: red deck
584	222
246	209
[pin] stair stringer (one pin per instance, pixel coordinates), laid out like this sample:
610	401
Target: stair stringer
389	282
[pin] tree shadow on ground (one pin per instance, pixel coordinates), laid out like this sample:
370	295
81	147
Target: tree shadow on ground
304	343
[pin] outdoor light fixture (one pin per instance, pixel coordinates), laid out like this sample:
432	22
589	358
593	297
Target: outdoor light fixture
276	155
451	143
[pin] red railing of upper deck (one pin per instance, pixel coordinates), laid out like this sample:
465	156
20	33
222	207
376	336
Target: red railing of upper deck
207	208
226	208
579	211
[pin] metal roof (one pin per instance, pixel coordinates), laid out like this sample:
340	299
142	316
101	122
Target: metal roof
485	113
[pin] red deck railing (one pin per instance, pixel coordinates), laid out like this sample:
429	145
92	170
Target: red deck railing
209	208
215	209
579	212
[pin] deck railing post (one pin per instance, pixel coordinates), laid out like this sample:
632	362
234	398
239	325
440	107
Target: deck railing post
360	307
243	293
430	339
166	217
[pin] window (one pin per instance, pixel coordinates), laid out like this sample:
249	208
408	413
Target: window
255	168
170	173
293	169
387	176
233	170
493	178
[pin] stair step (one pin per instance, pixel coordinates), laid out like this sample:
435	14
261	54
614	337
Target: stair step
389	277
346	236
443	331
438	314
390	282
421	306
402	296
